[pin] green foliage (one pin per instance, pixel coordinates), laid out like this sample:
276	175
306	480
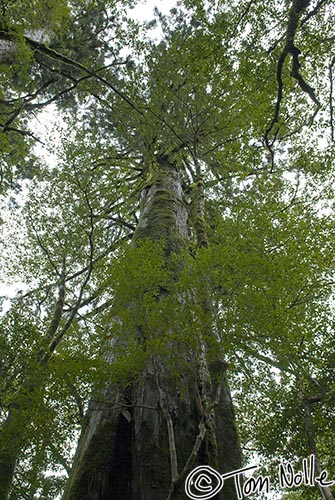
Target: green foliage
259	297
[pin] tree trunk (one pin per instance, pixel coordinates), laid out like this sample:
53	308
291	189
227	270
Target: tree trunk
154	433
11	442
312	448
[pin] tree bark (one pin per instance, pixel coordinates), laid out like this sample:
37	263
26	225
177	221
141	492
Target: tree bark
312	447
159	429
11	442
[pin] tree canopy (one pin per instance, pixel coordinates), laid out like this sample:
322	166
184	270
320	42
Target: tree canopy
239	96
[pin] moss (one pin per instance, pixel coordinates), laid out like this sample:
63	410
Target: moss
95	464
201	232
159	213
198	213
155	177
155	464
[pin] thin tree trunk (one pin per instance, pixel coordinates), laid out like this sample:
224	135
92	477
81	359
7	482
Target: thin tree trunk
145	452
11	442
13	431
312	448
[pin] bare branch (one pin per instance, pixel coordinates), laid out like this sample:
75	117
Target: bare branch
53	54
295	13
21	132
313	12
28	99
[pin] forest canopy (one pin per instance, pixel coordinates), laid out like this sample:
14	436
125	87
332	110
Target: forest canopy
167	194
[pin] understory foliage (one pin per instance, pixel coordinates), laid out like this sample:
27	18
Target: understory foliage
239	96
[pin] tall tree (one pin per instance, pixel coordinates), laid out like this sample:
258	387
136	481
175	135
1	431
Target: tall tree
180	238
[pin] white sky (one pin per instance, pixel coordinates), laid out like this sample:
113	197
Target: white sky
144	10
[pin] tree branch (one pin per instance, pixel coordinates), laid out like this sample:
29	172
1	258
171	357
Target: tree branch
55	341
21	132
57	316
53	54
295	13
313	12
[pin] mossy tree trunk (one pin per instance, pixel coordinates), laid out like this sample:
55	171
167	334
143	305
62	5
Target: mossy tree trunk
156	431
